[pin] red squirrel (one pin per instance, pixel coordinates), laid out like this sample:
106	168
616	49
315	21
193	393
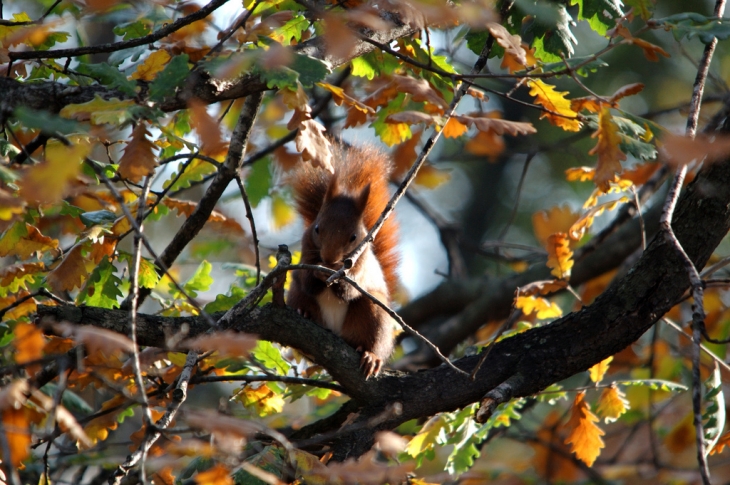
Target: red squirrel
338	210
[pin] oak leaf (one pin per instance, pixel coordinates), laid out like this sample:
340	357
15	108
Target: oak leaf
651	51
211	141
411	118
585	436
560	257
49	180
339	96
99	110
540	306
555	220
227	343
421	90
314	146
578	229
560	113
454	128
489	122
28	342
512	64
154	63
138	160
544	287
599	370
612	404
609	153
97	339
511	43
486	144
71	273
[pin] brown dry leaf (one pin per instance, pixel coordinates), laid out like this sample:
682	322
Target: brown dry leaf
49	181
624	91
560	113
227	343
681	150
404	155
488	122
612	404
96	339
411	118
512	43
557	219
217	475
544	287
486	144
64	418
14	395
151	66
367	470
609	154
682	435
138	160
585	436
651	51
314	146
339	38
211	141
71	273
560	257
599	370
16	423
285	159
421	90
641	173
28	342
535	304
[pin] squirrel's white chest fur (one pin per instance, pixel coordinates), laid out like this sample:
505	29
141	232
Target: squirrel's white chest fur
334	309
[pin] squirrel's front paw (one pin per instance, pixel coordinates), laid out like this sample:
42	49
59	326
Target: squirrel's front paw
370	364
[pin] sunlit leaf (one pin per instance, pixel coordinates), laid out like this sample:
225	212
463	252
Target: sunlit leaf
585	436
612	404
559	111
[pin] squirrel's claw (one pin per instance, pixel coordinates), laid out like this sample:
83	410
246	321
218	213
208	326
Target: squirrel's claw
370	364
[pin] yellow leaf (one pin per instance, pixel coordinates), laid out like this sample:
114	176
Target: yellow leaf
610	155
98	110
557	219
28	343
560	257
395	133
454	128
585	436
612	404
431	177
599	370
426	438
544	308
138	160
580	174
151	66
262	400
554	101
339	96
282	213
23	240
48	181
580	226
218	475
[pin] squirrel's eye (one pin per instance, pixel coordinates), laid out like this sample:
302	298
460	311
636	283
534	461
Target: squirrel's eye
352	238
316	228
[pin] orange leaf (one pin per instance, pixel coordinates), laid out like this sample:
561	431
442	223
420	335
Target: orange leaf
651	51
138	160
454	128
512	63
610	155
512	43
71	273
577	230
624	91
314	146
486	144
641	173
28	343
721	443
405	154
588	103
16	424
612	404
560	113
560	257
682	435
49	180
543	308
585	436
151	66
218	475
208	130
599	370
557	219
580	174
339	96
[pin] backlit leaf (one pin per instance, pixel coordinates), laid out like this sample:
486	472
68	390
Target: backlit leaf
612	404
426	438
154	63
23	240
208	130
49	180
138	160
585	436
102	287
263	400
560	257
599	370
560	113
314	146
28	343
100	111
543	308
609	153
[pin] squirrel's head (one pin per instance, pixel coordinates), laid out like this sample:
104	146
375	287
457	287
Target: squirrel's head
339	227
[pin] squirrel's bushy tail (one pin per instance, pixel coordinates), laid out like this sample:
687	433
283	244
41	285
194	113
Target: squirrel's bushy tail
354	168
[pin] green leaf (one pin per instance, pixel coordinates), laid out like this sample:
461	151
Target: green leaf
654	384
692	24
224	303
280	77
70	400
258	181
293	29
102	287
195	172
600	14
200	281
172	77
132	54
644	8
147	276
550	26
270	357
97	217
310	70
587	65
46	122
110	76
476	39
374	63
362	68
714	415
134	30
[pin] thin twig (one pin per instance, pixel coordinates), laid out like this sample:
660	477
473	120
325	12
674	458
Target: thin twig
249	216
270	378
512	216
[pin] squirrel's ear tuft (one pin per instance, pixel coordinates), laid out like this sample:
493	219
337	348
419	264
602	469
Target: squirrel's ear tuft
362	200
333	189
